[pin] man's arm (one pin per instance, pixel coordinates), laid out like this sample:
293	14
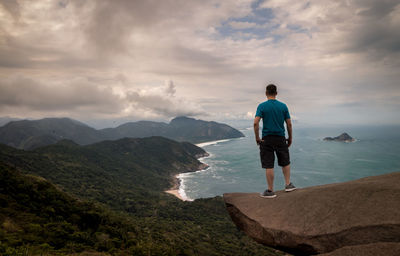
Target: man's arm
257	129
289	130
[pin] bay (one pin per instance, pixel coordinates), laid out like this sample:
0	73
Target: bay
235	163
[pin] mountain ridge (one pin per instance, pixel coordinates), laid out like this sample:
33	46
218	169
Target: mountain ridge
31	134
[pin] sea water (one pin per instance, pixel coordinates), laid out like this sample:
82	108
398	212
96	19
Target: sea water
234	164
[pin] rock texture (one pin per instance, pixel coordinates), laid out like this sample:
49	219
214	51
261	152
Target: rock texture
344	137
367	250
321	219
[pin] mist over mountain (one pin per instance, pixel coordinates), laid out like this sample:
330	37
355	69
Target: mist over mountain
30	134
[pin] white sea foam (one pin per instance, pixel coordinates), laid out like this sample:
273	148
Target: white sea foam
208	143
205	157
246	129
182	176
182	187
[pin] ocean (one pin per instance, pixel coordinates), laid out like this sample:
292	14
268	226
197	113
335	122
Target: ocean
235	163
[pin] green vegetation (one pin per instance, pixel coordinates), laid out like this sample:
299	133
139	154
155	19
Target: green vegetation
108	197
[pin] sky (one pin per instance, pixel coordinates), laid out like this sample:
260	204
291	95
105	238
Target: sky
108	62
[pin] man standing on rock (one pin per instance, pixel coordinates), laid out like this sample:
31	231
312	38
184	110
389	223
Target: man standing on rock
274	113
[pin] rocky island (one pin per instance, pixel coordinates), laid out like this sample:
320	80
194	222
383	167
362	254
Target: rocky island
349	218
344	137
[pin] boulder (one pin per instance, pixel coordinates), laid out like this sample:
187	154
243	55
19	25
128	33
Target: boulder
322	219
374	249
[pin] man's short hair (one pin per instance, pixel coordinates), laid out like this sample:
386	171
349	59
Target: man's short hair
271	90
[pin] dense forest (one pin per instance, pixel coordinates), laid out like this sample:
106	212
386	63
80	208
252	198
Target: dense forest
109	198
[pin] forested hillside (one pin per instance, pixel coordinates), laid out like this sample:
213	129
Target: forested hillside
109	198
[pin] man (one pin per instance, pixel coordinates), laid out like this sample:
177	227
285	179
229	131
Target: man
274	113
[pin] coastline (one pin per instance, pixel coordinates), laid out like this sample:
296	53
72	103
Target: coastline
175	192
178	188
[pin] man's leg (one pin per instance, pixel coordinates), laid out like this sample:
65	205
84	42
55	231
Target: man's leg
270	178
288	185
286	173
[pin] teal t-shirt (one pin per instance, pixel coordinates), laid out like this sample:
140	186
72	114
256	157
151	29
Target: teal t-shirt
273	113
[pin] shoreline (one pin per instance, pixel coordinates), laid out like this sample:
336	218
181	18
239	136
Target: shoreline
177	189
175	192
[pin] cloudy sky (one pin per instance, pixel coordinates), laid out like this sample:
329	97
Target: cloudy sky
333	61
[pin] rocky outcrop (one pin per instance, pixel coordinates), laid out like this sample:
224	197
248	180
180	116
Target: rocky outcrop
344	137
350	217
374	249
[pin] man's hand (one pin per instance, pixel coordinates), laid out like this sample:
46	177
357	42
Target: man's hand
289	141
289	129
257	130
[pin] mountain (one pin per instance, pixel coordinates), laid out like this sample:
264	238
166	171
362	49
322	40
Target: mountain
37	218
118	173
27	134
179	129
196	131
6	119
138	129
344	137
129	213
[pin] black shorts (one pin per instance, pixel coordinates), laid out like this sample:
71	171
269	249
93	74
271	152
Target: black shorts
274	144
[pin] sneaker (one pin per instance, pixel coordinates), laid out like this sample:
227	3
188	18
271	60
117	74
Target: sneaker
268	194
290	187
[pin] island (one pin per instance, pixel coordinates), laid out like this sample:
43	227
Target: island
344	137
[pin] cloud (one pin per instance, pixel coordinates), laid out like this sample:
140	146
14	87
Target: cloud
170	90
242	24
92	97
76	95
12	7
161	101
112	58
362	29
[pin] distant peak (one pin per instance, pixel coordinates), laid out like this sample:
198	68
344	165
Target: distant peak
182	118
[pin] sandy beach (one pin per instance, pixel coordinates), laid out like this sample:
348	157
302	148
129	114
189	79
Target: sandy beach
175	189
175	192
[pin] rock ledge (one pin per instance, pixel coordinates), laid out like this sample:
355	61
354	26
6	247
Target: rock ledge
324	218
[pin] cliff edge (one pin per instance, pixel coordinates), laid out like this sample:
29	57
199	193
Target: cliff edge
347	216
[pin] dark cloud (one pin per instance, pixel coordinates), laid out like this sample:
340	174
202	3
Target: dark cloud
77	95
163	103
111	23
111	58
12	7
170	90
378	28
